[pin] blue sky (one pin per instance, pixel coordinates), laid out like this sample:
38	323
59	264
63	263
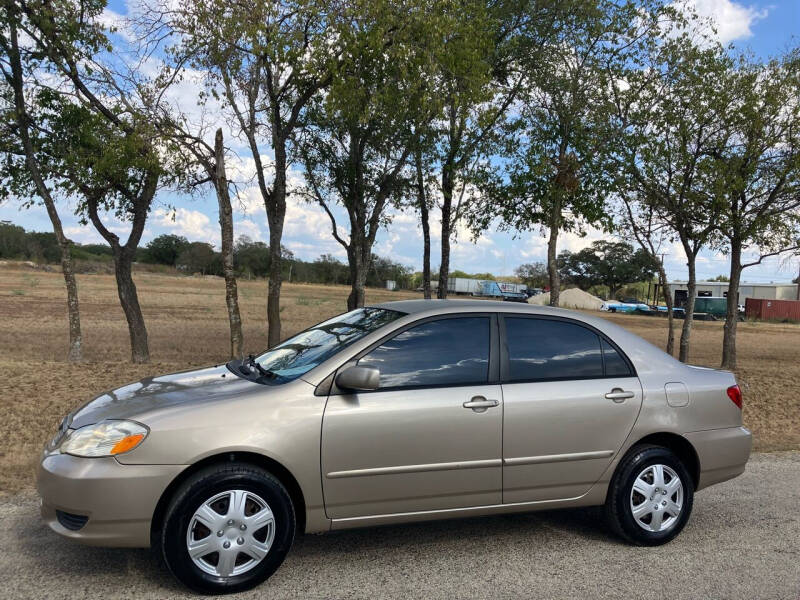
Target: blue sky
765	28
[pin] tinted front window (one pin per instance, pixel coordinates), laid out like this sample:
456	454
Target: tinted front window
545	349
444	352
615	364
301	353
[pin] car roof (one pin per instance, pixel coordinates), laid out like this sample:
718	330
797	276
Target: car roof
444	306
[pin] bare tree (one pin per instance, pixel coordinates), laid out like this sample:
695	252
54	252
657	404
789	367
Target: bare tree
204	163
651	234
267	60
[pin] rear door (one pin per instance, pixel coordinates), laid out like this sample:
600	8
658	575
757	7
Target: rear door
430	437
570	399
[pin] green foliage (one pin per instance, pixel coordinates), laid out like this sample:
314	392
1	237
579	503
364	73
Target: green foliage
16	243
164	249
533	275
359	135
462	274
757	172
670	120
12	240
555	155
611	264
199	257
42	247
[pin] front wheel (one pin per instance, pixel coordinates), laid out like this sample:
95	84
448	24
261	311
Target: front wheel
650	498
227	529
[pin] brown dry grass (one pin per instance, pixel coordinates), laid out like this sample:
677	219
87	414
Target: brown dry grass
187	324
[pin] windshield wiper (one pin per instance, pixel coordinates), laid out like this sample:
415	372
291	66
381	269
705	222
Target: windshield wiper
254	366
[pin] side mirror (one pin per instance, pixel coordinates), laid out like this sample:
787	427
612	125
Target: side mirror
359	378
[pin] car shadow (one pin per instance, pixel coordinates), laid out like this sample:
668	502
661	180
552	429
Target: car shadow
540	531
546	527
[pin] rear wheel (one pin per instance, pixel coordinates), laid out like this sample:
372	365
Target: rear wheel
227	529
650	498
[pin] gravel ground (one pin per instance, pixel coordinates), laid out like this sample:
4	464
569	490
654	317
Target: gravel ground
743	541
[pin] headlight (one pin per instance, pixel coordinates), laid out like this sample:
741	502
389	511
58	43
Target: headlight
106	438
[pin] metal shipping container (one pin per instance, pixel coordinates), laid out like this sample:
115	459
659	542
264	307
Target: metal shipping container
761	308
463	285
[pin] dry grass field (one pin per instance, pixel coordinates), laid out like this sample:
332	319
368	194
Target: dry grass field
187	326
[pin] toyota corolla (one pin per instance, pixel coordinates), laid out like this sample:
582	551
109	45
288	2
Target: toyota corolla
397	412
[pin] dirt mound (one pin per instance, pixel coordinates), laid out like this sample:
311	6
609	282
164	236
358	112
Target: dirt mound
571	298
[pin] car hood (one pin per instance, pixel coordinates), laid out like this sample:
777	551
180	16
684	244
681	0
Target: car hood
162	392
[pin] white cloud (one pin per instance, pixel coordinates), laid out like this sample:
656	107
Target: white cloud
193	224
732	20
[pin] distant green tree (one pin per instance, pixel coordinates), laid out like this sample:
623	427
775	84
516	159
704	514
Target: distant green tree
197	257
251	257
464	275
533	275
385	269
329	269
43	246
13	239
612	264
165	249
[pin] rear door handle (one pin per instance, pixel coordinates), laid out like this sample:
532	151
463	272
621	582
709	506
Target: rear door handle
480	404
619	395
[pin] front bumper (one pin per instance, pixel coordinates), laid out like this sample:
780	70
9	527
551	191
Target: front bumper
723	453
119	500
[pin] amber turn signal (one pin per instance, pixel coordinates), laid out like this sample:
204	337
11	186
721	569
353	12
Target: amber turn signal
127	443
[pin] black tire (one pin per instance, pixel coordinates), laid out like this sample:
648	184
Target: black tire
195	491
619	515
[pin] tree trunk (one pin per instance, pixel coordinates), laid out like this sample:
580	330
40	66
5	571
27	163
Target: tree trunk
128	298
447	205
686	330
226	233
359	267
732	316
75	352
662	279
276	213
422	200
552	249
73	309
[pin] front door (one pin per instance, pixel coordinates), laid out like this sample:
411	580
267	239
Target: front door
570	400
430	437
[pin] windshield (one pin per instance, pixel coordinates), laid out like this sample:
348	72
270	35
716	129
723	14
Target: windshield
301	353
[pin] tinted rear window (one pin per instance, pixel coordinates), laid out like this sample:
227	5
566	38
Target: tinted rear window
443	352
549	349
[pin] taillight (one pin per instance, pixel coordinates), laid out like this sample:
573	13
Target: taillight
735	394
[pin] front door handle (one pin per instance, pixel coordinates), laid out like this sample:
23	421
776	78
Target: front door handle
480	404
619	395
